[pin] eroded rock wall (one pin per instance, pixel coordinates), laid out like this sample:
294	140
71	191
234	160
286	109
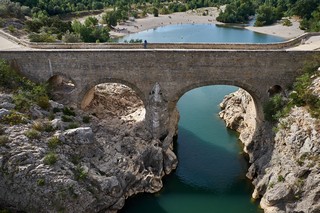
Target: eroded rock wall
104	155
285	160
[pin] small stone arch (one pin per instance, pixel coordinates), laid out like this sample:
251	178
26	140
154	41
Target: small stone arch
275	89
87	93
114	99
61	87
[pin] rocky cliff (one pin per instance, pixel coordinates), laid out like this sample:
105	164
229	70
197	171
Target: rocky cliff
285	160
68	160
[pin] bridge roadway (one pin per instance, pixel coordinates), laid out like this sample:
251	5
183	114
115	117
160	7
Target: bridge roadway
161	76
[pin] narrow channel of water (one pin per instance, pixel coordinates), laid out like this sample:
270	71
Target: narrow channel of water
210	177
211	173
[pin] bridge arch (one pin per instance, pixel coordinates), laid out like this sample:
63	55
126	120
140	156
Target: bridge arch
256	96
86	95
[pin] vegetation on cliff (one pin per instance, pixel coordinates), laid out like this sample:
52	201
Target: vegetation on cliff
301	95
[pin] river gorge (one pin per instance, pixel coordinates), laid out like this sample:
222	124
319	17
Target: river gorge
104	154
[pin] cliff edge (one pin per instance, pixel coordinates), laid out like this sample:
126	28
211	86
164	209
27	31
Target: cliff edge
285	159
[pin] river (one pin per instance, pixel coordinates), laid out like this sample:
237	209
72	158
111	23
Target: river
211	172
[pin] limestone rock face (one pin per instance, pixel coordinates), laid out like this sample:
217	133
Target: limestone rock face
285	164
88	167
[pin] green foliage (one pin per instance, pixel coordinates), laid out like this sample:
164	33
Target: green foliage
70	37
86	119
9	78
41	182
68	111
54	142
50	159
42	37
155	12
4	140
90	31
31	94
72	126
66	118
13	9
301	95
287	22
80	173
272	107
238	11
11	29
32	134
2	130
13	118
267	15
281	178
132	41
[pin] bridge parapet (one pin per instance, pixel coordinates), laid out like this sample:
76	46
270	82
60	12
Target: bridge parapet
233	46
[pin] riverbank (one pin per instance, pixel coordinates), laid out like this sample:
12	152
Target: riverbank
198	17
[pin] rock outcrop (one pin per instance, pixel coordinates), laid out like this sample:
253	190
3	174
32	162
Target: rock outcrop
80	161
285	161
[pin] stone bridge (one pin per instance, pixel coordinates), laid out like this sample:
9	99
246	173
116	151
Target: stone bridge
161	76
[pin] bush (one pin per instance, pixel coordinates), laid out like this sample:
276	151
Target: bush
41	182
54	142
68	111
43	102
32	134
72	126
66	118
3	140
42	37
287	22
86	119
13	119
38	125
272	107
50	159
80	173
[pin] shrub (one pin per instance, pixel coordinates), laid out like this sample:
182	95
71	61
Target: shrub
54	142
71	37
50	159
41	182
80	173
3	140
68	111
41	37
86	119
281	178
287	22
48	127
13	119
2	130
72	126
272	108
55	110
43	102
66	118
38	125
11	29
32	134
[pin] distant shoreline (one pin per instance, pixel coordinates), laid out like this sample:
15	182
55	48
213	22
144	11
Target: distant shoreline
197	17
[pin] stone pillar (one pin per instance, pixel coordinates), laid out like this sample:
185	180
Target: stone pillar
157	116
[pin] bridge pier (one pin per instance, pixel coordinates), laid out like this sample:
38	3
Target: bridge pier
157	115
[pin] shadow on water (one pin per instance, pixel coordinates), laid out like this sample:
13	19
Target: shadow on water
205	181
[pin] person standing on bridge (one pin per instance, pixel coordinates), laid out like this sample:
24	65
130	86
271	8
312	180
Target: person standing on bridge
145	44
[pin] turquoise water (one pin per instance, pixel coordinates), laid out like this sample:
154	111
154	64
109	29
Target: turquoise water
201	33
210	177
211	172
